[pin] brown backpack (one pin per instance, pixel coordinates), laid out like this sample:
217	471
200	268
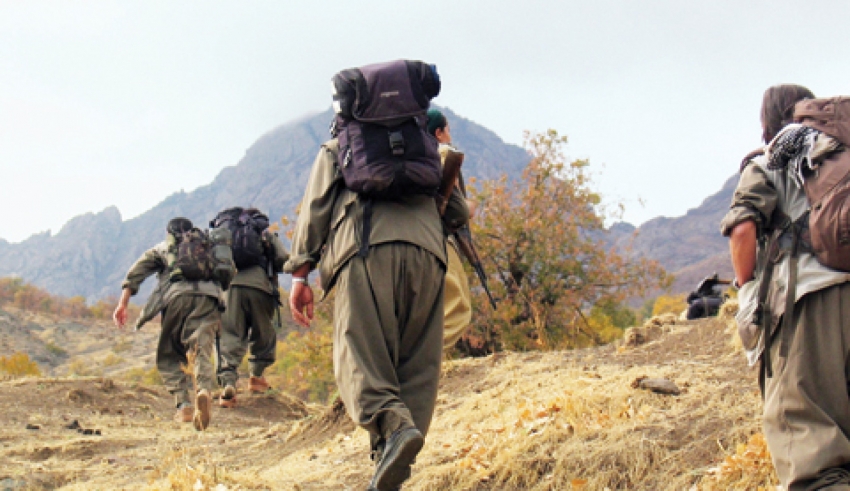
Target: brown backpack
828	190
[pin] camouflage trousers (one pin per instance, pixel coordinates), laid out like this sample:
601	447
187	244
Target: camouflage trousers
190	324
247	324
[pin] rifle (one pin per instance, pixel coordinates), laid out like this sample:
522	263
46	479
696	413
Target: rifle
451	173
463	236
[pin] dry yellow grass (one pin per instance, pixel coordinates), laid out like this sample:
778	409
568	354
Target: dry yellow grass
535	421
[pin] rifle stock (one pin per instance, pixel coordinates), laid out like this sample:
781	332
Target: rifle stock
463	236
451	173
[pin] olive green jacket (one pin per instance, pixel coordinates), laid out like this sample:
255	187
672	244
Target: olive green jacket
328	230
257	277
761	192
154	261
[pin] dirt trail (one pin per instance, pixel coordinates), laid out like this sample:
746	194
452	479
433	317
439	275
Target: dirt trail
547	421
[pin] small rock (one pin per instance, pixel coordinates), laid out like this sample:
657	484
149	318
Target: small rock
657	385
74	425
31	426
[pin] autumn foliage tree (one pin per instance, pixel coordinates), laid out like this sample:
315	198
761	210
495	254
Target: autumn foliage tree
542	241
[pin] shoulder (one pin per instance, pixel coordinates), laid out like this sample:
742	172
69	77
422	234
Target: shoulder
331	146
752	157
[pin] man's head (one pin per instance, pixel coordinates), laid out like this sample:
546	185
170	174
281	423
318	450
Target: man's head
438	126
777	107
179	225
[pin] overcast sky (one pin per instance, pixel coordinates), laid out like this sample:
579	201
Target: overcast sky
124	103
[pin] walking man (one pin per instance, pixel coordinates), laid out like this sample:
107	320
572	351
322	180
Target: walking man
804	343
386	259
189	296
252	300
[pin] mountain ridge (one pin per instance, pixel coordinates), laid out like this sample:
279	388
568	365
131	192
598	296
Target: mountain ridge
91	253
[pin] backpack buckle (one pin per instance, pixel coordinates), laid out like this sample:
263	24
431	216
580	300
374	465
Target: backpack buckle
397	143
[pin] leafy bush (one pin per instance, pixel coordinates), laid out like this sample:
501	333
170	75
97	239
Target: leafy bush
19	365
55	349
111	360
669	304
304	361
82	368
542	242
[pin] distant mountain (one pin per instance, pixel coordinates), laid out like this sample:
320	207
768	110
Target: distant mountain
688	246
91	253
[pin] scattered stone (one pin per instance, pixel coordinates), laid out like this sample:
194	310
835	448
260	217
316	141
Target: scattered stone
657	385
9	484
75	425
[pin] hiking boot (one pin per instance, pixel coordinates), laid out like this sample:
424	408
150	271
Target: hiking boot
228	397
258	384
394	466
184	414
203	410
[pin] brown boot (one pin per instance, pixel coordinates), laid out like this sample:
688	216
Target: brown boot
228	397
183	414
203	410
258	385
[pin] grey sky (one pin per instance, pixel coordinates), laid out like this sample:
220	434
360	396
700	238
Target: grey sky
123	103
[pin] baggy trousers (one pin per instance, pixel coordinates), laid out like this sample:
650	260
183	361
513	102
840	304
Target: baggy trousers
189	324
388	334
457	300
807	406
247	323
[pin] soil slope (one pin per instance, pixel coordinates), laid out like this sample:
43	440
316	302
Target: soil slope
543	421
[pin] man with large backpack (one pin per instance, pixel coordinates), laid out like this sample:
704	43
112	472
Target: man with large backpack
369	220
252	300
192	267
791	316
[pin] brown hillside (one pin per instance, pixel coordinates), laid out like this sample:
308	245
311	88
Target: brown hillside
541	421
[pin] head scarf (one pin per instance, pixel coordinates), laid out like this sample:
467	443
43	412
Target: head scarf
436	120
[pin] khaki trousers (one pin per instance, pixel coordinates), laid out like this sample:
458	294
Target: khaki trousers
457	300
189	324
388	333
807	406
247	323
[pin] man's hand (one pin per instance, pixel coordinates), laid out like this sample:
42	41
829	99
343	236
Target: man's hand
301	302
120	314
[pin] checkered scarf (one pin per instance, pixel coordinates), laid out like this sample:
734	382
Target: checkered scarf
792	149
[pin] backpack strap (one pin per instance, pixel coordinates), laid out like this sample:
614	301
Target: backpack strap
366	231
766	260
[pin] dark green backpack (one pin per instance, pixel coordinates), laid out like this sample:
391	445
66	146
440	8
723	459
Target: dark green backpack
196	255
190	255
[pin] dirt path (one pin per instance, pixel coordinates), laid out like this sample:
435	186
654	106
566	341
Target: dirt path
541	421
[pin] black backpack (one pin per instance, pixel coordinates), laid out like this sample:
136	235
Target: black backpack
385	150
247	227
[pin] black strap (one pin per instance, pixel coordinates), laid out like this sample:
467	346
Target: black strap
791	291
367	228
768	256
